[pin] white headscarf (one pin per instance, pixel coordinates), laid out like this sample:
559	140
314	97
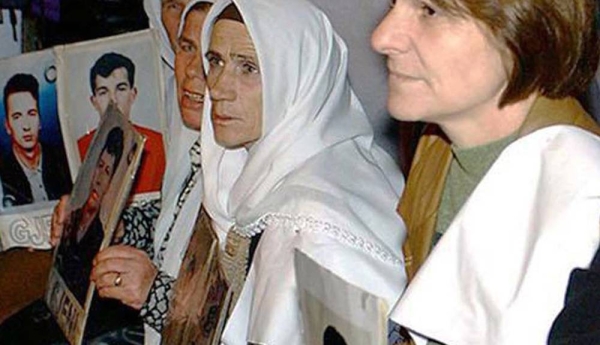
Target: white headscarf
153	11
316	155
173	127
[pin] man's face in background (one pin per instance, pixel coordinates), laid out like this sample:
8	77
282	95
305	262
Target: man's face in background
22	120
116	89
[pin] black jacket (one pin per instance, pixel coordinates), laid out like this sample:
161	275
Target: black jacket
579	321
55	176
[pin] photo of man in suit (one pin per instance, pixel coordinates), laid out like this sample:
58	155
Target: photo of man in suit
31	171
112	80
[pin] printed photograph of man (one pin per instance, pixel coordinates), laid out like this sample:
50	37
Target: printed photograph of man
84	231
31	171
112	80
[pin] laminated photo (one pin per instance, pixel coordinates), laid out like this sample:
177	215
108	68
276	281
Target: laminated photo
123	70
34	170
201	292
335	312
93	213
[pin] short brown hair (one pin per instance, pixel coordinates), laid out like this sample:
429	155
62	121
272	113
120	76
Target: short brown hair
553	43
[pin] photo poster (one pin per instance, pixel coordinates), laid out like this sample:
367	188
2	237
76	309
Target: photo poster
34	170
335	312
200	292
124	70
94	210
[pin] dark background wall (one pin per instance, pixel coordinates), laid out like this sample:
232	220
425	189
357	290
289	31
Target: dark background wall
47	23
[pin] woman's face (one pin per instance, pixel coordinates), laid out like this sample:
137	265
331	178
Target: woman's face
441	68
235	85
188	71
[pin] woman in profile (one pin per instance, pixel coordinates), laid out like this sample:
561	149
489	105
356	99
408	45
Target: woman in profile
505	184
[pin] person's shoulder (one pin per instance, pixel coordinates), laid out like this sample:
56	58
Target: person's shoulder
562	158
149	133
341	180
566	142
54	154
9	166
86	138
8	158
48	148
344	166
154	139
328	204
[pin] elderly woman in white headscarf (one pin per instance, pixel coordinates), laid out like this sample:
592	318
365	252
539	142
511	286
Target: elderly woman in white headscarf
283	118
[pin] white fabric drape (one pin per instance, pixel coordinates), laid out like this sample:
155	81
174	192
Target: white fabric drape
316	161
499	274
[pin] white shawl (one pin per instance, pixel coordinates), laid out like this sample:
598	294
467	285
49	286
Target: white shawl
315	180
500	272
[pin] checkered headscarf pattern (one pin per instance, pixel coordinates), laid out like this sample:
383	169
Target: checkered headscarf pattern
188	185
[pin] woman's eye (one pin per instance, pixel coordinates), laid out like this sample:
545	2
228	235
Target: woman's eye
173	7
249	68
187	48
427	10
214	61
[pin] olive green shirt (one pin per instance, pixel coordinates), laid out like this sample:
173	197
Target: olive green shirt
466	170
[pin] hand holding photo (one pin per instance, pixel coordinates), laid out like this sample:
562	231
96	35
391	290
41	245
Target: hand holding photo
101	189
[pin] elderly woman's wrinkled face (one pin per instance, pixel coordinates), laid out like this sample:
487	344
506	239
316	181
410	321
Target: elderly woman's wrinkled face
235	85
441	68
188	70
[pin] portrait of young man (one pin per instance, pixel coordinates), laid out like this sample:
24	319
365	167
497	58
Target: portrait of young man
84	230
112	80
31	171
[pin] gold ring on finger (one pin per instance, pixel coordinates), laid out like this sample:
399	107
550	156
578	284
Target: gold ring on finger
118	280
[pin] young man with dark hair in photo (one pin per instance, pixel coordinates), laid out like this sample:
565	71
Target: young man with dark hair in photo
112	80
31	171
84	230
